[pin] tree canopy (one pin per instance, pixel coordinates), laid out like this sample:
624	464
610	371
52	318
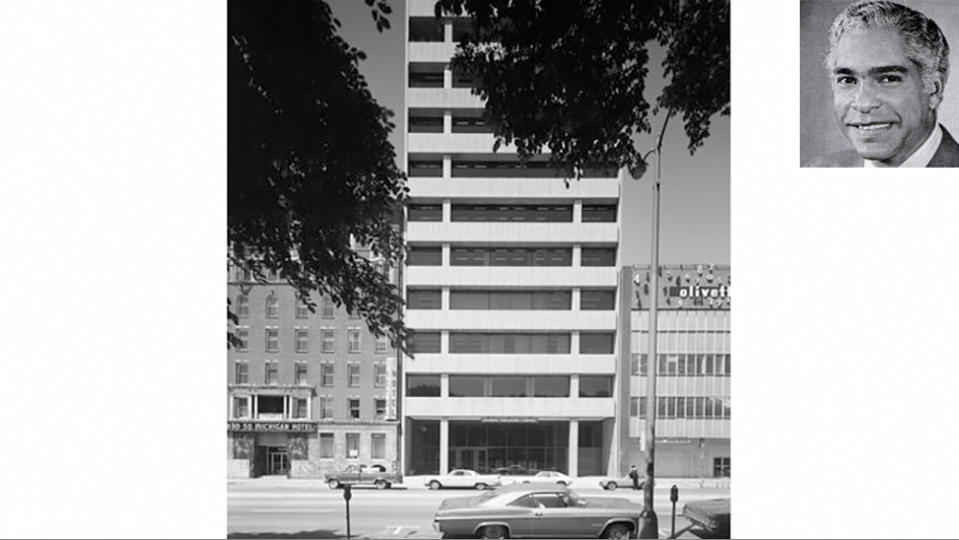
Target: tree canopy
569	76
310	170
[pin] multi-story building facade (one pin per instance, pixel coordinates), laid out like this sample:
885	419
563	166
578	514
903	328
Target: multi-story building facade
309	392
692	370
511	288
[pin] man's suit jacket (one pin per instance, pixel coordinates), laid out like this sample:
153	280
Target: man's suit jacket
946	156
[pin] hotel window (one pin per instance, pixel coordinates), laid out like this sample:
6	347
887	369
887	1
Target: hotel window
302	310
638	364
596	300
241	407
326	446
243	338
299	373
424	342
272	306
423	385
243	306
596	342
424	299
721	467
242	372
353	405
595	386
382	344
352	445
599	213
299	408
328	309
598	257
353	341
378	446
353	374
302	336
326	374
328	342
425	212
424	256
272	339
326	407
380	406
379	373
270	372
634	406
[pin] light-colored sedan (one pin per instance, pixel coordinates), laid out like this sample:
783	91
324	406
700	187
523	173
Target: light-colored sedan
463	478
623	482
551	476
537	510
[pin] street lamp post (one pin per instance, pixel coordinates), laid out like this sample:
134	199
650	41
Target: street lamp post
649	523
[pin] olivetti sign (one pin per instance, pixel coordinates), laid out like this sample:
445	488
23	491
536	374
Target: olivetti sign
721	291
272	426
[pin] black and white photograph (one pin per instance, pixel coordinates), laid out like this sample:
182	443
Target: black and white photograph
875	89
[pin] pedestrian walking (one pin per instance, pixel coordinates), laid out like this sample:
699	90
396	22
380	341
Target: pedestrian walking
634	475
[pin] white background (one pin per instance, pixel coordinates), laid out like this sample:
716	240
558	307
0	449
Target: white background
112	213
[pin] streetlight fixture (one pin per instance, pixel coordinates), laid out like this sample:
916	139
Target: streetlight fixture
648	522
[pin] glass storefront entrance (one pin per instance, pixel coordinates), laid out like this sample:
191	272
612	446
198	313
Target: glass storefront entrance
509	448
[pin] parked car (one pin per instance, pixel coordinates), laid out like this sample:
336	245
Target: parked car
537	509
515	470
463	478
625	481
550	476
375	475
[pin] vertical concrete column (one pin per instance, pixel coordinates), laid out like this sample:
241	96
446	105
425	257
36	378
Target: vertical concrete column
447	76
577	211
575	300
309	408
448	31
447	167
446	254
447	211
574	386
445	298
574	348
577	255
444	385
573	459
445	341
286	407
256	405
447	122
444	446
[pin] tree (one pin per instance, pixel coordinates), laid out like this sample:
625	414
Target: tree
569	77
310	169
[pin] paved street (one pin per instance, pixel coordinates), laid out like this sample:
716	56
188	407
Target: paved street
269	508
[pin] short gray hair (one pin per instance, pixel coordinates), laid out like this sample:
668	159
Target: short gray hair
924	42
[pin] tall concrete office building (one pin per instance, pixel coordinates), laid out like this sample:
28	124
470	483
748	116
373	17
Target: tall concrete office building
511	288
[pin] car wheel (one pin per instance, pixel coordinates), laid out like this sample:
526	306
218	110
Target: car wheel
435	485
493	531
562	483
611	486
381	484
480	485
618	531
333	483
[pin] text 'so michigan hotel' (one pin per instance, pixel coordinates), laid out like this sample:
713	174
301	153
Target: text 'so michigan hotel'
512	285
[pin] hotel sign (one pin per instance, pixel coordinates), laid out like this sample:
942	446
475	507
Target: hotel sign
272	426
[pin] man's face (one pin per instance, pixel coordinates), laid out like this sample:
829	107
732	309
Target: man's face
878	96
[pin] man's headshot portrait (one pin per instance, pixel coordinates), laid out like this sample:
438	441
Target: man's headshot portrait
874	84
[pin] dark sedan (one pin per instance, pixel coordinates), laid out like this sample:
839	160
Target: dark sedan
544	510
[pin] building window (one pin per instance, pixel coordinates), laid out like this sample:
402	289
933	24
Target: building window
508	386
326	407
424	342
328	343
721	467
512	256
326	446
299	408
425	167
272	339
423	385
638	364
270	372
595	386
550	386
302	337
508	343
326	374
302	310
598	257
378	446
353	341
242	372
272	306
426	212
382	344
594	300
243	338
467	386
354	407
525	300
329	309
352	445
299	373
380	406
241	407
243	306
596	342
599	213
353	374
379	373
424	299
424	256
541	213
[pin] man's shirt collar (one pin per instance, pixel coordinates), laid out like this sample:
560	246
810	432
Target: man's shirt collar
921	157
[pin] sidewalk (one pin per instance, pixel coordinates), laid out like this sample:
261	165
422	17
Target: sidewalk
418	482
